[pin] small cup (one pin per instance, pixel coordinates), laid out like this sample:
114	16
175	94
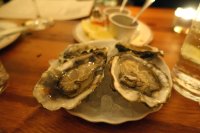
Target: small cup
110	10
121	26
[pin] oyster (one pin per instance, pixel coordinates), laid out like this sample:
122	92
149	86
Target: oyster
138	80
144	52
79	70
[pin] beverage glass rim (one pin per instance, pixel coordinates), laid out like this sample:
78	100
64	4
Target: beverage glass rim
105	11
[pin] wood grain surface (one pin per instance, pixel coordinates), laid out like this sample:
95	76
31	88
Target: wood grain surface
28	57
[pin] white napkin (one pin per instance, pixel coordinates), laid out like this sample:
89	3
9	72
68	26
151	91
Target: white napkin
56	9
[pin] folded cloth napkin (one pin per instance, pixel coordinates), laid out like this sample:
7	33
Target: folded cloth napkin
56	9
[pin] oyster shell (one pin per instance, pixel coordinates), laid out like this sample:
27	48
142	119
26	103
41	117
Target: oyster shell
141	51
138	80
79	70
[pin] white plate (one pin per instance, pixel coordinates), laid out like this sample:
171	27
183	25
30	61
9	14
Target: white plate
143	35
106	105
9	39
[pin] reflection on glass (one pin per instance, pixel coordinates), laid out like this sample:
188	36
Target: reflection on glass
183	18
39	23
3	78
186	73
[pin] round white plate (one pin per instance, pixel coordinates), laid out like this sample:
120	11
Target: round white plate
142	36
106	105
9	39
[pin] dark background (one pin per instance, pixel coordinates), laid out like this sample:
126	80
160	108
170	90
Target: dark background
167	3
162	3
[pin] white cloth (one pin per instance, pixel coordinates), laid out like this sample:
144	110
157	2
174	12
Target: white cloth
56	9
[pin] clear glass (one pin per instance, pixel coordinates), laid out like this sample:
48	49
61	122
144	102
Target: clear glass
1	2
106	2
3	78
39	23
110	2
183	19
186	73
181	25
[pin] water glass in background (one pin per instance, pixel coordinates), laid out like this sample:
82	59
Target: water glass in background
107	2
110	2
186	73
1	2
3	78
183	19
110	10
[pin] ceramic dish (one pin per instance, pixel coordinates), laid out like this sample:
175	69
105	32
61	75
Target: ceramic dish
106	105
142	36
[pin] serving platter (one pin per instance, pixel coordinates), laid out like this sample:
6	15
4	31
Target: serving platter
106	105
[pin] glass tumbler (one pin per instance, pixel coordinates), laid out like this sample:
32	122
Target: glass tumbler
3	78
186	72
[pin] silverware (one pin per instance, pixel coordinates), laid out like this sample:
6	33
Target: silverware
12	31
145	6
32	25
123	5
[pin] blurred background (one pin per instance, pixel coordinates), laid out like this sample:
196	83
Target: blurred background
167	3
157	3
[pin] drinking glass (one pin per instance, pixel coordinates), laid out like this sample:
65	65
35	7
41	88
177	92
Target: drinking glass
186	73
106	2
39	23
3	78
110	2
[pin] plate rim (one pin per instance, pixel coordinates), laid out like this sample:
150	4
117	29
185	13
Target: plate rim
7	41
78	39
85	117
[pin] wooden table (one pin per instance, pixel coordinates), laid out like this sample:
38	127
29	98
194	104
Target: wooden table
27	58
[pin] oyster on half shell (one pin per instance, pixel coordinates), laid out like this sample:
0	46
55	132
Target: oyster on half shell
137	80
144	52
79	70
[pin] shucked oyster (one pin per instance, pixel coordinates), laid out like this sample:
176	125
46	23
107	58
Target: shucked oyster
140	51
78	72
138	80
80	69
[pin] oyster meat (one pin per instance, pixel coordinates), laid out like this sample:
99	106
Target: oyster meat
138	80
79	70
